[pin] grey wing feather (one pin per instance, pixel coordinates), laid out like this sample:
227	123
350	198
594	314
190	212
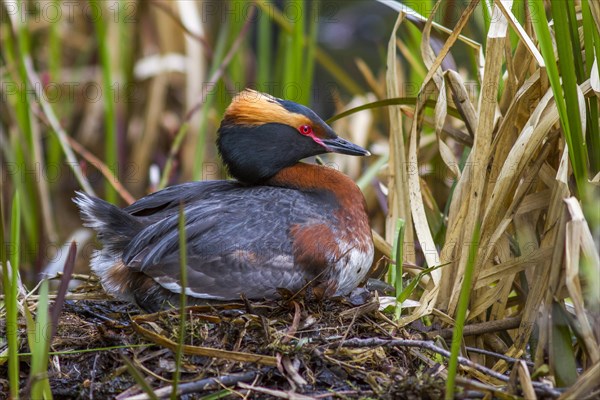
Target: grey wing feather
238	242
162	203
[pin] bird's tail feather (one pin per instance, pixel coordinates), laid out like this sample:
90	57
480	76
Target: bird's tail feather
115	227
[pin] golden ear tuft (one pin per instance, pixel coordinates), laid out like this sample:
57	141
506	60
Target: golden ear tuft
250	107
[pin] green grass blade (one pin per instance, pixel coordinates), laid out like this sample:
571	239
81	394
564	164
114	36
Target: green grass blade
110	151
22	147
298	50
565	366
15	236
9	283
571	27
311	47
398	257
593	141
55	48
395	267
389	102
182	300
289	67
139	378
367	177
487	17
237	66
39	343
326	61
565	95
183	129
568	62
23	41
218	55
590	38
218	395
408	289
461	313
292	44
263	52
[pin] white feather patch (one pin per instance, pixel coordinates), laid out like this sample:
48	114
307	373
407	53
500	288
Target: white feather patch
351	269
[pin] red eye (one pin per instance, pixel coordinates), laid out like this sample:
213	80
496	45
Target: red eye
305	129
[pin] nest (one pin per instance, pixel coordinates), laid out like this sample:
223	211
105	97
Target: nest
336	348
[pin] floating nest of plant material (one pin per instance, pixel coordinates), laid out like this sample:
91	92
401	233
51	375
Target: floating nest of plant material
338	348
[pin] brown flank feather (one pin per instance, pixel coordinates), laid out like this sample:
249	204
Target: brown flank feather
312	245
352	203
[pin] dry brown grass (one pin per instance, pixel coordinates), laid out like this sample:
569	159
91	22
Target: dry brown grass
516	184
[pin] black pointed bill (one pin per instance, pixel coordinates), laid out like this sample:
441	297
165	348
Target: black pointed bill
342	146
